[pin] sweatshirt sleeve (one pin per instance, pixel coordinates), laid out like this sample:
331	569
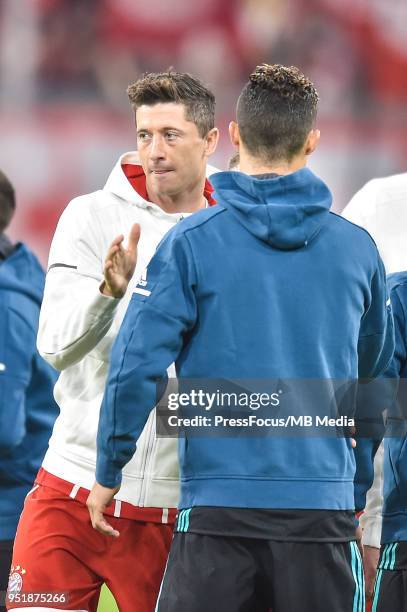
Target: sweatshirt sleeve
398	363
161	313
17	351
376	335
75	315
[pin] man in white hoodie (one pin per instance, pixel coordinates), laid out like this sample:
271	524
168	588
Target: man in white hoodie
56	555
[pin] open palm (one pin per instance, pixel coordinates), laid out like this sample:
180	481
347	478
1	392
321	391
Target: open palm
120	263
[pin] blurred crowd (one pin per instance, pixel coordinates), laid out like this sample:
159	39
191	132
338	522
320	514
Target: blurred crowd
65	65
73	50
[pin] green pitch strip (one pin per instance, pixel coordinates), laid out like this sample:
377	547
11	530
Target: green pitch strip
106	601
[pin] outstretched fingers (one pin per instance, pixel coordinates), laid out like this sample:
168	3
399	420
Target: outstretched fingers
134	238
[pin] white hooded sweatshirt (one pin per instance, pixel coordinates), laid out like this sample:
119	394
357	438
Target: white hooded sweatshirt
78	326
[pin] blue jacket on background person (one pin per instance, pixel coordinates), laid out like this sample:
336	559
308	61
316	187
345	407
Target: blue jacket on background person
394	527
27	407
268	284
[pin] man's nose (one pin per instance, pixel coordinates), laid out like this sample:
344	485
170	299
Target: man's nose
157	150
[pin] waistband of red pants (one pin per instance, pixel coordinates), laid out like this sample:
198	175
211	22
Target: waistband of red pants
118	509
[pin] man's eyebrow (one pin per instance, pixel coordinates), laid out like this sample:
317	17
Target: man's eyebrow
163	129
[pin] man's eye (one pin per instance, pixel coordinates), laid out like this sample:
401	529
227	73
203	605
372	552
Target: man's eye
142	136
171	135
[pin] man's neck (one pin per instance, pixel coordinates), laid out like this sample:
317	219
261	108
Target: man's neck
189	200
251	166
6	247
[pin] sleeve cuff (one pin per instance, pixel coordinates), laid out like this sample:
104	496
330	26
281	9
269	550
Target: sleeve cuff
107	473
372	529
103	306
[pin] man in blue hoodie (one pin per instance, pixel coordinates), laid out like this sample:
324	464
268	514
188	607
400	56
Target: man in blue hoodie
27	407
267	285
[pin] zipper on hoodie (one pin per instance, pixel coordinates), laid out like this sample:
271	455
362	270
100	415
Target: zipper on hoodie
146	462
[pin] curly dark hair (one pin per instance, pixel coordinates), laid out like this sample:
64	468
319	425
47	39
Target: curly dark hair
7	201
275	112
181	88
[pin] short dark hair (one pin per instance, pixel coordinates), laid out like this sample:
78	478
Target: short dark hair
234	161
275	112
181	88
7	201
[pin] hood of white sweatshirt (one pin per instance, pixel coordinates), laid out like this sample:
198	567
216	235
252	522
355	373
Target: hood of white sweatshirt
118	183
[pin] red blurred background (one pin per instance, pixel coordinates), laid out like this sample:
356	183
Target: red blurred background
65	66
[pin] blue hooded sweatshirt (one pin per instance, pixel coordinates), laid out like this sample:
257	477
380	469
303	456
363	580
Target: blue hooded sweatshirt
268	284
27	407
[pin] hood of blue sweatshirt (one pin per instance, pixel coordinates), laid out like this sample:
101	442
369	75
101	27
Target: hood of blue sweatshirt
21	273
287	211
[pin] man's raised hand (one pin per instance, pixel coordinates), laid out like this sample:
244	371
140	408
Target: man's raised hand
120	264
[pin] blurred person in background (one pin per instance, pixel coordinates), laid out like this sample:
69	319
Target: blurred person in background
86	296
390	587
27	407
380	207
265	521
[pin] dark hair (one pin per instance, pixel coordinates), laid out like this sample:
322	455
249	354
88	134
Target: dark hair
275	112
7	201
181	88
234	161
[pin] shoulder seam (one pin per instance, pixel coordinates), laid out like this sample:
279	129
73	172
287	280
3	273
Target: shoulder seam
219	210
355	225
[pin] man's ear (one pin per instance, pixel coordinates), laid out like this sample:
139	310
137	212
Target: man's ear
234	133
312	141
212	139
